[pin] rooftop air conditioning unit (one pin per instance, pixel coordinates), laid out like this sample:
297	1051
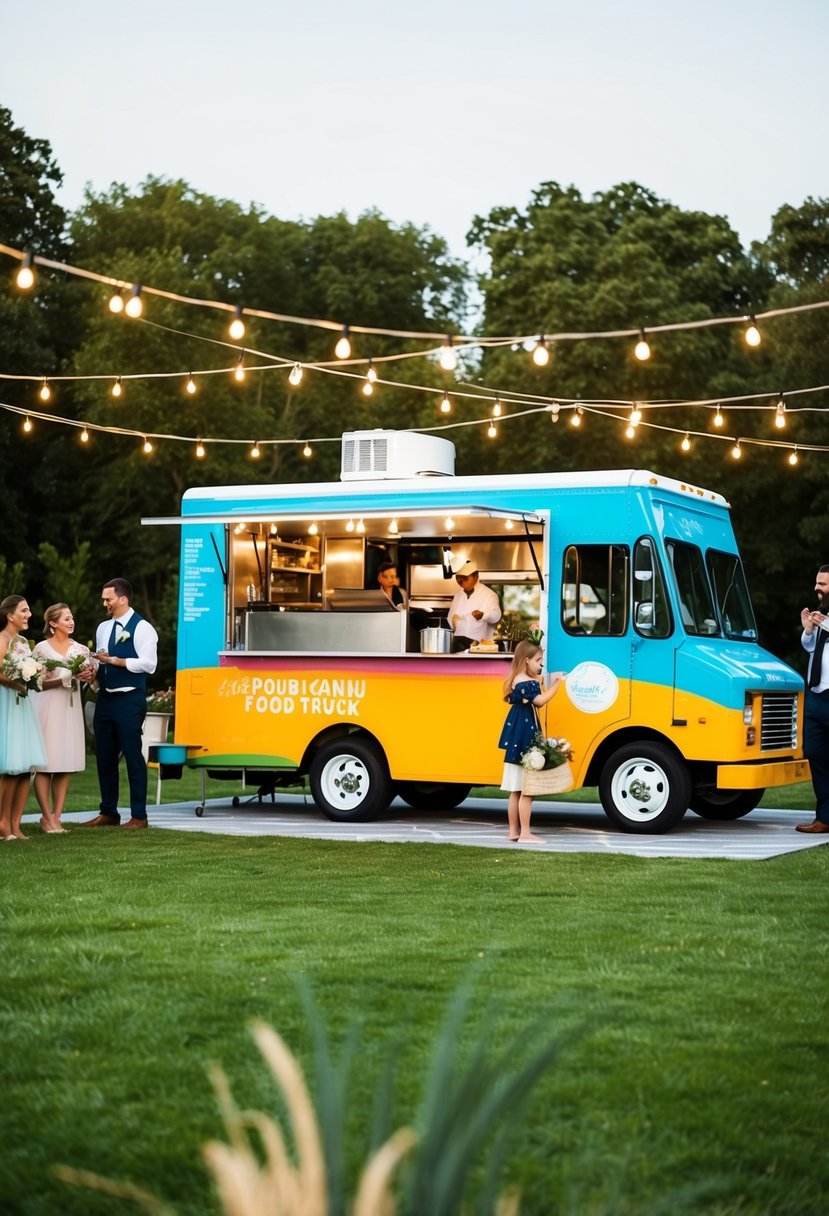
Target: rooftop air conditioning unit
380	455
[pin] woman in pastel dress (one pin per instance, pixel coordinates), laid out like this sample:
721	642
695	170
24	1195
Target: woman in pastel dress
60	713
21	742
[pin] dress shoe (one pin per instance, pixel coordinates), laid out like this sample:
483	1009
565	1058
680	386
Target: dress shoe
817	825
102	821
136	823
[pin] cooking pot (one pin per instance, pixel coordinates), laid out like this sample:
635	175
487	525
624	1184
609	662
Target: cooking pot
435	640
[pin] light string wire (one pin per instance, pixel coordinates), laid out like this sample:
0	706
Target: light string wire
459	341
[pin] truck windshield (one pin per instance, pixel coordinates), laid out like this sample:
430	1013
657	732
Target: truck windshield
731	593
696	608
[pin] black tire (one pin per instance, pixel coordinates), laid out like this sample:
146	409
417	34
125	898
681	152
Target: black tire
645	788
199	812
235	801
433	795
725	804
350	780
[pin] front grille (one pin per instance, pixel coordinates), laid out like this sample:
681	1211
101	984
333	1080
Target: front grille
778	721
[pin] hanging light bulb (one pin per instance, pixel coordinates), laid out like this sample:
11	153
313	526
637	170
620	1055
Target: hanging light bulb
492	431
446	404
117	388
448	359
752	335
26	276
306	451
736	451
84	435
45	392
509	525
116	302
254	451
295	376
393	527
541	352
793	456
349	527
148	447
368	387
554	411
313	530
686	443
642	349
361	527
449	524
630	431
718	417
190	386
496	409
780	414
236	329
635	415
371	374
343	348
199	450
134	305
575	417
239	370
27	425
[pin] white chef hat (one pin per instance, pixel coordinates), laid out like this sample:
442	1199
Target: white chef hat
466	569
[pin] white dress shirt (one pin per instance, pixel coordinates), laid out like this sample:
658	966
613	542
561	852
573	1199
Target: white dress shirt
808	642
483	599
144	639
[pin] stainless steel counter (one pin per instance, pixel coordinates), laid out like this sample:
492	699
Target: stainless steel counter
326	632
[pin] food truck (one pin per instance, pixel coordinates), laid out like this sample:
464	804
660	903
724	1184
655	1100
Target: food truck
291	665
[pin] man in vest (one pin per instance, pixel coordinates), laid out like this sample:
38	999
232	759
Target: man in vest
126	647
816	712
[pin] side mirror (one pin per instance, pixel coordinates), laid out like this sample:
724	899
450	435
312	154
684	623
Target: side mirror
644	615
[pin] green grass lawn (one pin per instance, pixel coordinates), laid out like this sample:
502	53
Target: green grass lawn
696	991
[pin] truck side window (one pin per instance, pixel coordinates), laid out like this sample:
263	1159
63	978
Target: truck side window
594	597
695	604
651	616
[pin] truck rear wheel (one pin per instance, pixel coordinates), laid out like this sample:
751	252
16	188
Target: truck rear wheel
645	788
725	804
433	795
350	779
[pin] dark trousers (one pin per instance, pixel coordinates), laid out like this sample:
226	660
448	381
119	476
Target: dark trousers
118	719
816	748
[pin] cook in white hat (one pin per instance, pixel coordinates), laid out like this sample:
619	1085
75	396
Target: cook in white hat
475	610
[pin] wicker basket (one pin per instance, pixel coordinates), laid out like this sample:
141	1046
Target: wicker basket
547	780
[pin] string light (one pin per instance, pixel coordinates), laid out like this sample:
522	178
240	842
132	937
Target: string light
368	388
190	386
541	352
793	457
492	431
635	416
718	418
295	376
446	404
27	425
306	451
117	388
371	374
236	329
448	359
84	435
576	416
116	303
134	306
199	450
642	349
148	447
780	414
753	336
254	451
497	408
554	411
45	392
343	348
630	430
686	443
26	276
736	451
239	370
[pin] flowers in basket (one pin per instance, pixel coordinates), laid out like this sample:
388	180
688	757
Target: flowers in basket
24	669
162	702
546	753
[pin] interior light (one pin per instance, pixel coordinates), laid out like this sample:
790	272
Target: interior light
148	447
509	525
448	359
26	276
313	530
254	451
116	302
306	451
190	386
642	349
361	527
753	336
718	417
446	404
541	353
27	425
117	388
793	456
295	376
449	524
393	528
45	392
349	527
686	443
371	374
236	329
134	305
239	370
199	450
780	415
343	348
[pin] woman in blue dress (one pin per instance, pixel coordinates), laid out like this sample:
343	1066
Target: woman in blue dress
524	693
21	742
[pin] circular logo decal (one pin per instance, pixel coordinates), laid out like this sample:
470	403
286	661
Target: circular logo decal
592	687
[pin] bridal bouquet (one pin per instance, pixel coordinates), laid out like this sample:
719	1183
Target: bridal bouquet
24	669
73	665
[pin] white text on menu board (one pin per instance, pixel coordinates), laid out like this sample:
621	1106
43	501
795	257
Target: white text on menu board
193	579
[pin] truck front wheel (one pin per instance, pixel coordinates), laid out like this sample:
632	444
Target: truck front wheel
350	780
725	804
645	788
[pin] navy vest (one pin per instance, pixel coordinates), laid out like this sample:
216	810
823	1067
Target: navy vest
120	677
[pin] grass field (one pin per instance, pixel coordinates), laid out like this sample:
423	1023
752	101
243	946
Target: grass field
695	1078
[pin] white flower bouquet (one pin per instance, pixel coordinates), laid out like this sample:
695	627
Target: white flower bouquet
69	669
24	669
546	753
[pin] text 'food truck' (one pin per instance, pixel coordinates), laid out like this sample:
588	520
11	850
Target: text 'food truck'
290	664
